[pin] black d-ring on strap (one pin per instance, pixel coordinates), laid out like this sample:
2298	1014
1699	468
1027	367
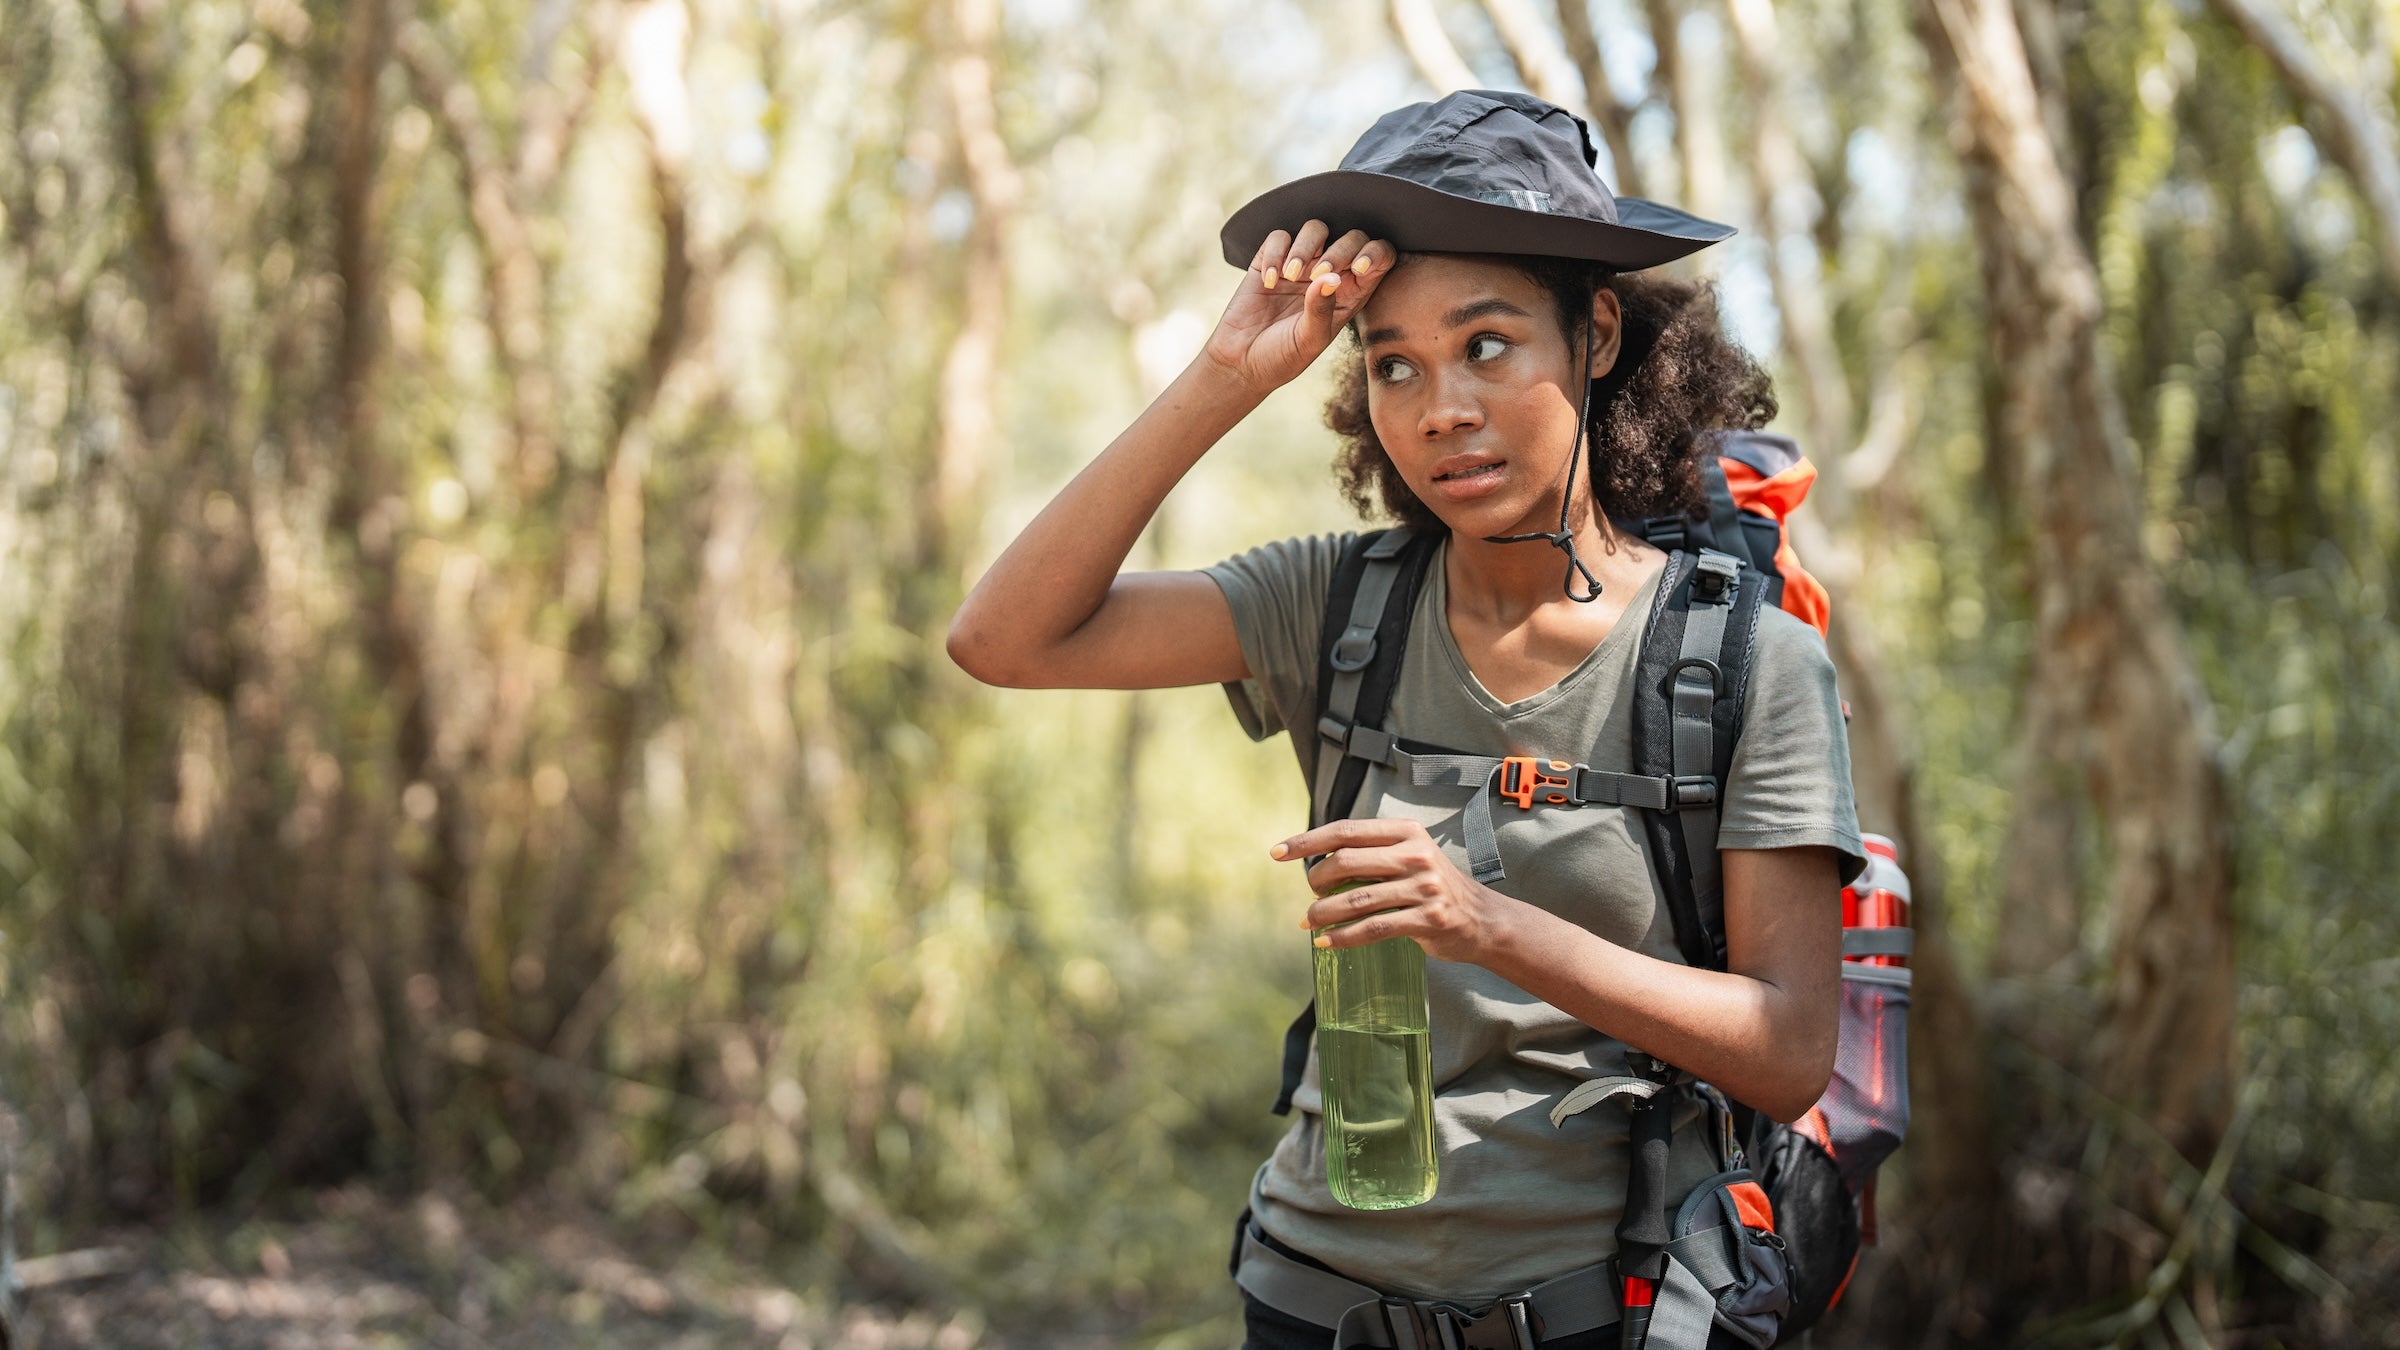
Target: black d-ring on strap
1716	673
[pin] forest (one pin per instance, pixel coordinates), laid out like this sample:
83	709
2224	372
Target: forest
484	485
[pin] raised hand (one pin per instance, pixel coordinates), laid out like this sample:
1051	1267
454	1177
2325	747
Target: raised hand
1297	294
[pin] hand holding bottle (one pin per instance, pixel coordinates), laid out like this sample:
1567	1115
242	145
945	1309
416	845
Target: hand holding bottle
1404	886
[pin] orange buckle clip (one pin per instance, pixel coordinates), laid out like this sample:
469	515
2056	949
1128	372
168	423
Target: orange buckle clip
1522	776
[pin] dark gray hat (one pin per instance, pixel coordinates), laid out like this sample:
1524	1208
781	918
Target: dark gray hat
1478	171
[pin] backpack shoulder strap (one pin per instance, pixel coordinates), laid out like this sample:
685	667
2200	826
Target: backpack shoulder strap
1691	681
1361	641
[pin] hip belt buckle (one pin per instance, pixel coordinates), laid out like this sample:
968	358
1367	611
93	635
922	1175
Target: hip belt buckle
1508	1324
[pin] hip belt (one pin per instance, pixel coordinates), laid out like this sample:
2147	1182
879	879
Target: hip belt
1365	1318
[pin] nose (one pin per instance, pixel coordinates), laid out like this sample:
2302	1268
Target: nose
1449	408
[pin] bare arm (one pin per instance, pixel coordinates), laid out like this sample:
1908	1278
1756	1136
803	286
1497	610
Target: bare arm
1762	1030
1053	611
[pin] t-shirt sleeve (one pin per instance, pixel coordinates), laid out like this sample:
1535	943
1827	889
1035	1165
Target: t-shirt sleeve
1277	594
1790	782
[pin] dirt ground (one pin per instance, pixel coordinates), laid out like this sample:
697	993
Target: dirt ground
364	1273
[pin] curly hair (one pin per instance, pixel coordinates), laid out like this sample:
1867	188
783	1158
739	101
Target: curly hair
1677	375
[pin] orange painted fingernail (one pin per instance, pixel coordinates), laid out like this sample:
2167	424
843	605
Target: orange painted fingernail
1268	279
1363	265
1329	285
1291	269
1321	268
1278	852
1322	941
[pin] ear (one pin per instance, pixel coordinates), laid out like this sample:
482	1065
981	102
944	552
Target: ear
1608	331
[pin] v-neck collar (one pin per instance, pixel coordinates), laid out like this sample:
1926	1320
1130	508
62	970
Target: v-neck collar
1627	629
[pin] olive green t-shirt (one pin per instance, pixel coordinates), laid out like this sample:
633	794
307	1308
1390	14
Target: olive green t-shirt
1520	1200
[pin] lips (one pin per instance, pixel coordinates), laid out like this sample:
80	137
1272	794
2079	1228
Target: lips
1462	478
1458	467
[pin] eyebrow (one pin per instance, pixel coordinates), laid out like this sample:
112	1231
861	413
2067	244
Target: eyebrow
1466	313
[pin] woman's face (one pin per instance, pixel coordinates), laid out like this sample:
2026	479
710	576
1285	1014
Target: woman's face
1471	388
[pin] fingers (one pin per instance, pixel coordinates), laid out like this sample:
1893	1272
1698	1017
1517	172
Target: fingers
1317	305
1355	864
1341	280
1269	261
1373	262
1305	247
1326	275
1344	834
1391	923
1327	272
1342	254
1341	909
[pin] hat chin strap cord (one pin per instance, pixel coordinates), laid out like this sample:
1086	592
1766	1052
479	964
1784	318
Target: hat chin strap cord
1563	539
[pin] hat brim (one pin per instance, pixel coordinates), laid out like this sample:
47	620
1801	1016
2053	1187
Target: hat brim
1417	218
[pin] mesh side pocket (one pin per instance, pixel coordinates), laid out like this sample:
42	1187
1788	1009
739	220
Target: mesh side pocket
1865	1107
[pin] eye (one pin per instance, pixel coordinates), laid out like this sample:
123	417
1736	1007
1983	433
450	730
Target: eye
1392	369
1486	347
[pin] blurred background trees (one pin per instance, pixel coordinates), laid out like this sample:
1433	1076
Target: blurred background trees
485	484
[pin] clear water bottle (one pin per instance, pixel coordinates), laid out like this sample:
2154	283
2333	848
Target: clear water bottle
1375	1067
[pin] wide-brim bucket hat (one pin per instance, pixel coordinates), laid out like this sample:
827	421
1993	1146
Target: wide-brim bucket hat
1477	171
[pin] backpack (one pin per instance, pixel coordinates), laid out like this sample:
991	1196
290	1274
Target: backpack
1794	1201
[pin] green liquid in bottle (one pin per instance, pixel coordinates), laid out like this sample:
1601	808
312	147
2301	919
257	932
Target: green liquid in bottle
1375	1067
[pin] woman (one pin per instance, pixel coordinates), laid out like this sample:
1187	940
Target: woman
1486	289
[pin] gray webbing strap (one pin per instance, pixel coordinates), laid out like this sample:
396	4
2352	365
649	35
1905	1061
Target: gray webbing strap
1724	518
1370	1325
1372	744
1682	1310
1898	977
1703	1252
1353	652
1312	1295
1878	941
1482	835
1693	705
1598	787
1458	771
1365	1319
1473	772
1585	786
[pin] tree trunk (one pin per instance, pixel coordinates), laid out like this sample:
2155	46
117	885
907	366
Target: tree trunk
2041	900
969	436
1786	197
1429	48
1542	60
1691	93
2104	639
1614	119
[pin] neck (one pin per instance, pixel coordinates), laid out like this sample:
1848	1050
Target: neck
1505	583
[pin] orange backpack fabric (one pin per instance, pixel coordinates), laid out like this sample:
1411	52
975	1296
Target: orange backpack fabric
1776	495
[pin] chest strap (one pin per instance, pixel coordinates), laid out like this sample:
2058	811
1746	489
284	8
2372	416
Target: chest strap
1365	1318
1523	780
